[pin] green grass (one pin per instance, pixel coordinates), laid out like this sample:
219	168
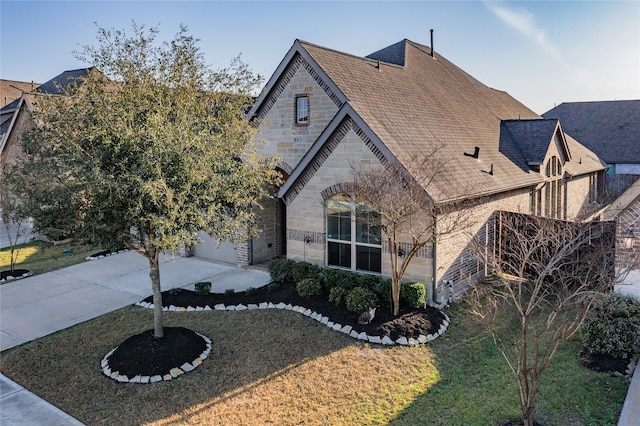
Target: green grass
279	367
41	257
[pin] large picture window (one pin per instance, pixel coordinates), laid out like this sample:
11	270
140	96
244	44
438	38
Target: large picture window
353	235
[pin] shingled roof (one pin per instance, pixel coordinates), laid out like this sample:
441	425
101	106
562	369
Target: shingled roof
611	129
411	100
58	84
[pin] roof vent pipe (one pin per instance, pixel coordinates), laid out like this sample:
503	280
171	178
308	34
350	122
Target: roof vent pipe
431	42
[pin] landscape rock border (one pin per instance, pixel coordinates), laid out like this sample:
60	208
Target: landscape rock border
103	254
346	329
12	278
172	374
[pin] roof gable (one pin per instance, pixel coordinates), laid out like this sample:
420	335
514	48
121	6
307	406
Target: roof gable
532	138
296	57
411	102
394	54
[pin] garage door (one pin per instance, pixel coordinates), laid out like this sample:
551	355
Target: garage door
207	249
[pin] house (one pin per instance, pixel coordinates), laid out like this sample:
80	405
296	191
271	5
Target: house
324	111
17	115
611	129
625	211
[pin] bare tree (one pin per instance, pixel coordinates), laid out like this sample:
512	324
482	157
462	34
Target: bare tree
410	219
547	273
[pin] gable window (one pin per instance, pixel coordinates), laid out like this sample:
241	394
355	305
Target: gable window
353	235
302	110
553	188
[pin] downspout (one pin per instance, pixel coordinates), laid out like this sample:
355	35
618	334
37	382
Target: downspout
434	289
434	264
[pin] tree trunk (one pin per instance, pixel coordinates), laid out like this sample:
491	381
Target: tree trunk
154	273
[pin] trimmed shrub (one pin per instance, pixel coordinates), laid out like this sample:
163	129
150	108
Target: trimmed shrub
250	291
175	291
229	292
273	286
413	294
339	278
337	295
360	299
369	281
308	287
302	270
383	288
203	287
280	269
611	326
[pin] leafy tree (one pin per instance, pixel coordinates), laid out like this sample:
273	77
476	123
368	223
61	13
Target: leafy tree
149	150
14	212
547	274
410	219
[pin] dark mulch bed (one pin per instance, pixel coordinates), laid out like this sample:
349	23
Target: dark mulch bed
520	422
145	355
603	363
16	273
410	323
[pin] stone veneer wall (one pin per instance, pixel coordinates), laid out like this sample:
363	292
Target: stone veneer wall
285	138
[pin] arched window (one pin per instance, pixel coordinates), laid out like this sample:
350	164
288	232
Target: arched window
353	235
553	188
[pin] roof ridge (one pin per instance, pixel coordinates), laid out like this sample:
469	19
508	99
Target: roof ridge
363	58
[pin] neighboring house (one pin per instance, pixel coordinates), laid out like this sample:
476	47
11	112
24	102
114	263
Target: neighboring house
611	129
625	211
11	90
323	111
17	115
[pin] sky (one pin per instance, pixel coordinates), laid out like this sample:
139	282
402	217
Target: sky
542	53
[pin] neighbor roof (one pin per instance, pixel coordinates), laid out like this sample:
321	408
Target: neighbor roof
611	129
411	100
11	90
58	84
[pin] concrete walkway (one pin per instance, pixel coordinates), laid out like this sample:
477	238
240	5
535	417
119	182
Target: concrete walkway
43	304
630	415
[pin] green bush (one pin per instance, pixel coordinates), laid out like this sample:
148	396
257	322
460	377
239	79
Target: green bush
360	299
308	287
413	294
229	292
175	291
203	287
372	282
280	269
339	278
337	295
611	326
250	291
302	270
273	286
383	288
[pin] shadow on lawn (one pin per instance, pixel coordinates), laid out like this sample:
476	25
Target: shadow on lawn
249	348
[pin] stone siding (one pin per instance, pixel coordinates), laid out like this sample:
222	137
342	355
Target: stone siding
285	138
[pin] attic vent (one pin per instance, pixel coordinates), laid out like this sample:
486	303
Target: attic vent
476	152
490	171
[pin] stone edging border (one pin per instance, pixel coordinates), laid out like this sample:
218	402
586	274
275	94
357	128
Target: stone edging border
347	329
105	255
12	278
172	374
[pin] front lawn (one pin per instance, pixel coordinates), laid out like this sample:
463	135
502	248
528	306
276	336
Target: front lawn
280	367
41	256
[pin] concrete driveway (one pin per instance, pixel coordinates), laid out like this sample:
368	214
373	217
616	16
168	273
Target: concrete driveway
43	304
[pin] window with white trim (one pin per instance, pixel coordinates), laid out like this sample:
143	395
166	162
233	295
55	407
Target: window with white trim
353	235
302	110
